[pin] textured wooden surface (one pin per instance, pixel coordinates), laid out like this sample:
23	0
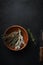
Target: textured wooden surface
29	14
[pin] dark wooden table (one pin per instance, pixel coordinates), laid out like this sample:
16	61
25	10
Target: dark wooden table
27	13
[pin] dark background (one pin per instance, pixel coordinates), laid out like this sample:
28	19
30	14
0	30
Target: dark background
29	14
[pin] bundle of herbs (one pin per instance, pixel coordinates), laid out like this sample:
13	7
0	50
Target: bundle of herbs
14	39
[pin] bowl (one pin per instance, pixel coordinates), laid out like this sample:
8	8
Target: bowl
24	34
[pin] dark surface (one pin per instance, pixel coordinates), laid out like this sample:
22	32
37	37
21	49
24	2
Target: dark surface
27	13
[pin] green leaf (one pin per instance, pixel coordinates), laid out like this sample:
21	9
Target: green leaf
31	35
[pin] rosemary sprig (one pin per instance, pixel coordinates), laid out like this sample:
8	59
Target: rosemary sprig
31	35
10	40
14	40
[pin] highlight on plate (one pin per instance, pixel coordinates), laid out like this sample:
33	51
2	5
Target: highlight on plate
14	39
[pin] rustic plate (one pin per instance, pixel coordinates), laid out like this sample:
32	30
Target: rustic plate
24	33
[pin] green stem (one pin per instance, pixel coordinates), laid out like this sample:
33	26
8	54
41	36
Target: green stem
31	35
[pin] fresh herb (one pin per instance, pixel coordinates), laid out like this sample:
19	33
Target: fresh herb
31	35
14	40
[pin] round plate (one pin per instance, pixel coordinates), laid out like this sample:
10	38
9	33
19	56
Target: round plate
24	34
